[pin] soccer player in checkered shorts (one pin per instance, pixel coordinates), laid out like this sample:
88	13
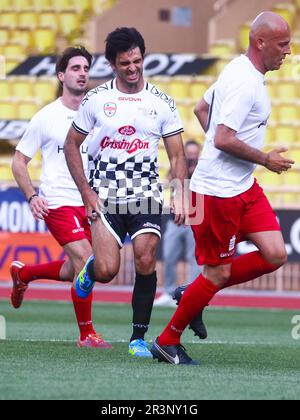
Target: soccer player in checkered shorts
59	202
128	117
235	110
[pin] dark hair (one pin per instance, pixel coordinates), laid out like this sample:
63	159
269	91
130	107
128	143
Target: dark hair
122	40
65	57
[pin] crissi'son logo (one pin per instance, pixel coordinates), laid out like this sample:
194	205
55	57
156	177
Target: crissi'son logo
130	146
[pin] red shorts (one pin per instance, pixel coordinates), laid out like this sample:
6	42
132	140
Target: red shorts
227	221
68	224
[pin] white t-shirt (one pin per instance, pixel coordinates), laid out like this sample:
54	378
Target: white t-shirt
123	149
239	100
47	131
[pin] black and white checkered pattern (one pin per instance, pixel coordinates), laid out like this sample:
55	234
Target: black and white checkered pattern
130	180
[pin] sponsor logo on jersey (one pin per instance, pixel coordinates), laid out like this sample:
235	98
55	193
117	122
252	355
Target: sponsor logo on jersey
127	130
231	248
110	109
129	99
128	146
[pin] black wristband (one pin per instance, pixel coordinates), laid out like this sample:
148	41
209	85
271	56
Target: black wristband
32	197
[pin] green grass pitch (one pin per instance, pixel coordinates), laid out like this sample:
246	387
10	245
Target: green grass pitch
250	354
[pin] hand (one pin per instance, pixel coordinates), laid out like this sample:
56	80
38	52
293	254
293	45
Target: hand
39	207
178	209
93	204
277	163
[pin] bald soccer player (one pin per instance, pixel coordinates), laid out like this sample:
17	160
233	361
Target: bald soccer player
234	112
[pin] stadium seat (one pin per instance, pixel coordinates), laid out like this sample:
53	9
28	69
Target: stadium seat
6	172
178	88
285	134
222	48
44	40
42	5
29	19
269	136
83	5
294	154
99	6
9	19
194	130
44	89
287	11
24	36
267	178
288	112
11	64
5	90
243	37
49	19
22	5
272	89
291	179
14	49
59	5
4	35
21	87
6	5
198	87
69	23
295	46
27	109
34	172
8	110
288	69
183	110
288	90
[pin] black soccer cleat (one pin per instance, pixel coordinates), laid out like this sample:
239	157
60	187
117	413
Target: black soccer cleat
173	355
197	325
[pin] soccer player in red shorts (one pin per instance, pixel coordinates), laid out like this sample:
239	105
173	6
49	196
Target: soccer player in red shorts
59	202
235	111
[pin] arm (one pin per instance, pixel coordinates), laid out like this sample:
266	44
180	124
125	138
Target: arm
227	141
74	161
201	111
175	150
38	205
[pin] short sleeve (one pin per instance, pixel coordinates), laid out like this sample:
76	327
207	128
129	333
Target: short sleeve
238	100
208	95
85	119
171	123
32	139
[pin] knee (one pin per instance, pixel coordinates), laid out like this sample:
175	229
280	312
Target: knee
105	274
219	276
145	264
277	258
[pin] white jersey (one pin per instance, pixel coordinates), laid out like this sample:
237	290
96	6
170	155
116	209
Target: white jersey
239	100
47	131
123	149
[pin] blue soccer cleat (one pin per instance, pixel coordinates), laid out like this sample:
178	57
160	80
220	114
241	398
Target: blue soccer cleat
84	285
139	348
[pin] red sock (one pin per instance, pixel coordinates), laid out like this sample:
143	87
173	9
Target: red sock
248	267
50	271
194	299
83	311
